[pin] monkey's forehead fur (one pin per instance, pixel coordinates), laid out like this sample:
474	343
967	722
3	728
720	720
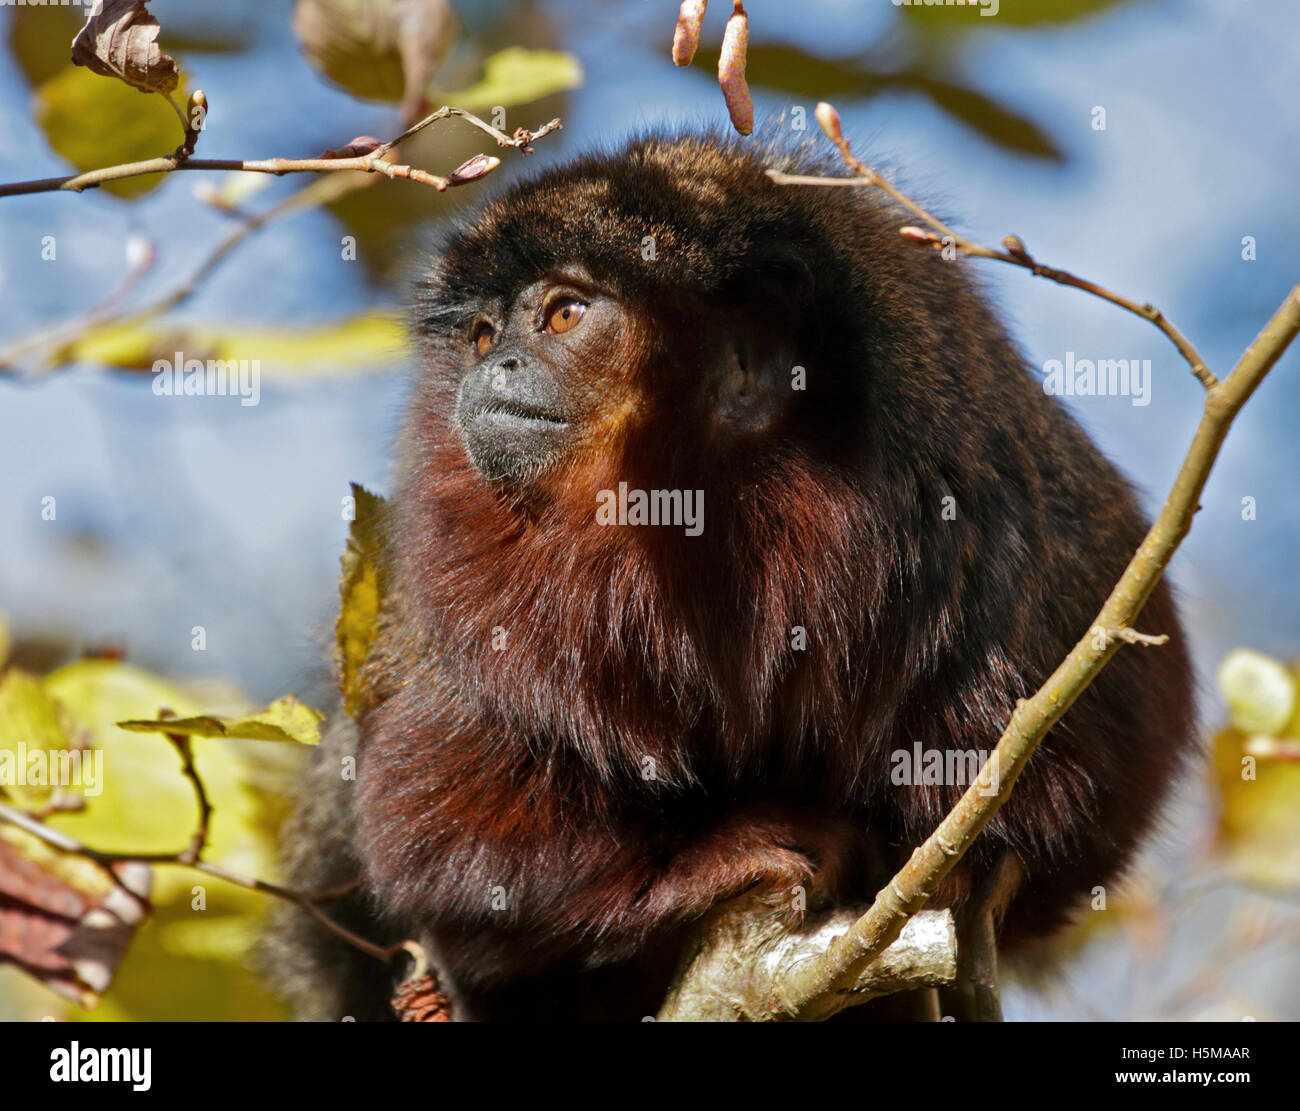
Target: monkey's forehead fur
681	214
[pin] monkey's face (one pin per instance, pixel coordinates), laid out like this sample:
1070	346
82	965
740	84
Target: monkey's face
571	373
664	317
529	395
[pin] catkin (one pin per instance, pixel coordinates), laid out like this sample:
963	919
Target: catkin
731	71
687	36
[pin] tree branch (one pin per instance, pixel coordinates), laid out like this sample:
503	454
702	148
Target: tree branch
68	332
739	953
374	161
824	984
807	991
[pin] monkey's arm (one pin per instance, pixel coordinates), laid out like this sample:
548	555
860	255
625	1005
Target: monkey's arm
510	888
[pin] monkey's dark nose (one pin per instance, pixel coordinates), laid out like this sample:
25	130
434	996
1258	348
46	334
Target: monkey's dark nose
513	385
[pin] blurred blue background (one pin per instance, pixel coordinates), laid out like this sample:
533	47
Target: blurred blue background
176	515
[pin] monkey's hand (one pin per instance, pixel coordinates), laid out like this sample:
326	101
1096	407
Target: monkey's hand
793	861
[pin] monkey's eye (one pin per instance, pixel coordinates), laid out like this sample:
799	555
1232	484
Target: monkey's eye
563	314
482	338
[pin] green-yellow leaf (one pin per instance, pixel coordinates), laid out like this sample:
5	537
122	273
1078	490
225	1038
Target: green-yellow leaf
285	719
369	341
147	805
515	76
1259	812
378	49
39	37
361	590
29	730
193	964
93	123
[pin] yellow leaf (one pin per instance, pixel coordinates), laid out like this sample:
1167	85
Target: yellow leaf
1259	814
361	588
515	76
210	936
190	959
29	732
147	805
192	965
370	341
93	123
285	719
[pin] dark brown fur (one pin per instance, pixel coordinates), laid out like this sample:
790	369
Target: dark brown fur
521	770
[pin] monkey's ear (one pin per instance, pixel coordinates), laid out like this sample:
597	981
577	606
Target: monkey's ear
777	273
769	311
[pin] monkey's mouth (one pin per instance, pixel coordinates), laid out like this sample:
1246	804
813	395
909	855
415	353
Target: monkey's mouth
519	416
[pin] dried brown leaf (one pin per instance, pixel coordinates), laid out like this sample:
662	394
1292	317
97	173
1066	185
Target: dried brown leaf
120	40
65	920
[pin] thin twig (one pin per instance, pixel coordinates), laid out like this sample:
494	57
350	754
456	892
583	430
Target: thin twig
68	331
199	840
171	163
372	162
1015	254
63	841
65	334
1132	636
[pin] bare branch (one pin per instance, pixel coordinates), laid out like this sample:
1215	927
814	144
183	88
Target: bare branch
739	955
199	841
1016	254
376	162
65	333
185	858
804	992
